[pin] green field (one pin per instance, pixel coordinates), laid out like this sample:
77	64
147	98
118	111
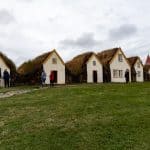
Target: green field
84	117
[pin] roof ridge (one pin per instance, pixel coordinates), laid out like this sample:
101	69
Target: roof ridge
115	48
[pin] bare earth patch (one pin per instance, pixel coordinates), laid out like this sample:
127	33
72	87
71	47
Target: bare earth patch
15	92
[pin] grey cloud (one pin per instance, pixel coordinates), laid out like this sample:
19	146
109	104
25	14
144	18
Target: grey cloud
53	19
21	47
42	26
6	17
109	12
86	40
123	31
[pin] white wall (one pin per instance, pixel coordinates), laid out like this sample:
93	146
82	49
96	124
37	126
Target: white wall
119	66
91	68
149	71
139	79
3	66
59	67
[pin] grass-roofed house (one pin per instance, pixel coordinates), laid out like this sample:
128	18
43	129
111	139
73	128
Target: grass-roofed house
137	74
115	64
84	68
50	61
146	72
147	69
6	63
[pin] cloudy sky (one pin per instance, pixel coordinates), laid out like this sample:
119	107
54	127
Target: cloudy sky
31	27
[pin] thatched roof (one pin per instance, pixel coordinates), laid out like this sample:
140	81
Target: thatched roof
78	63
34	64
146	68
133	60
107	55
8	62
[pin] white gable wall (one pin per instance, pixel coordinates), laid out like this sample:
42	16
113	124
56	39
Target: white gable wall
91	68
116	65
141	78
59	67
149	71
3	66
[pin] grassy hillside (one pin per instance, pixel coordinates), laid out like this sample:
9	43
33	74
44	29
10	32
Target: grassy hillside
86	117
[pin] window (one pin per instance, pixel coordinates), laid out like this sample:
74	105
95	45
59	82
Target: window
139	74
118	73
120	58
94	63
138	65
54	61
115	73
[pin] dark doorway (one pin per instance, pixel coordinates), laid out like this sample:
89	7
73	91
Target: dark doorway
95	76
55	76
133	75
127	76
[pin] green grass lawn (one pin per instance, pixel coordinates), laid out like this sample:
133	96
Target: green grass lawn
85	117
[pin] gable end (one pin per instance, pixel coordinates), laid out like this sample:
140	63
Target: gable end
116	54
49	56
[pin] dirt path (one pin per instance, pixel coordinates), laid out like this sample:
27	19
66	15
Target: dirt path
24	91
15	92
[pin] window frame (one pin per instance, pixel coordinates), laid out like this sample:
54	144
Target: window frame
120	57
138	65
120	73
138	74
54	61
117	73
94	63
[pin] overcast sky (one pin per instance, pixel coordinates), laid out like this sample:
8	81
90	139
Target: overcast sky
30	27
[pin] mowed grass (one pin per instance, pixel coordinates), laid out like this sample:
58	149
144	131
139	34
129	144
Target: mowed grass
84	117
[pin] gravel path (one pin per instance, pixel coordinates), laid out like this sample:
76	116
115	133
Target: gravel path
24	91
15	92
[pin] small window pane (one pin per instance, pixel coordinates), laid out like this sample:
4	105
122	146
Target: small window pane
138	65
120	58
120	73
54	61
115	73
139	74
94	63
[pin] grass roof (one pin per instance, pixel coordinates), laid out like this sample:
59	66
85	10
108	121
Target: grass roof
107	55
8	62
77	64
34	64
147	67
133	60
